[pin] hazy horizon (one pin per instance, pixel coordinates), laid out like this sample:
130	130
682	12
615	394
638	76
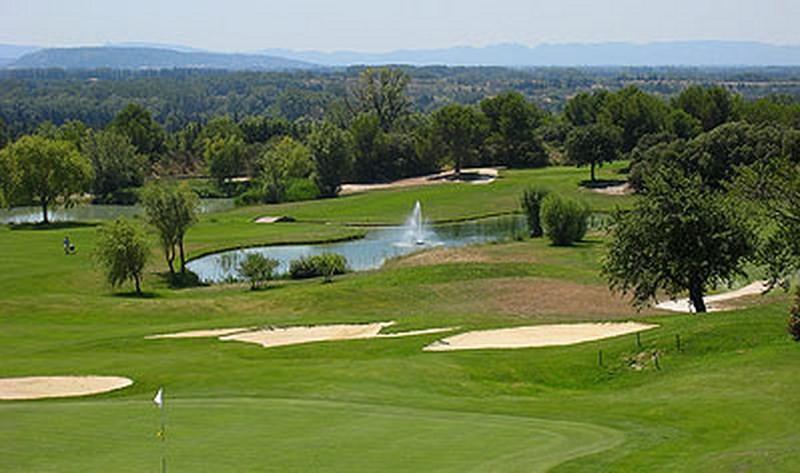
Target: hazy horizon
360	25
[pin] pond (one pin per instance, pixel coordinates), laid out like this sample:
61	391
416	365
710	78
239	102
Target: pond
84	213
370	252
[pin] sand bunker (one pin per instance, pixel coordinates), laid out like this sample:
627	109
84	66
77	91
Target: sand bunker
282	336
201	333
471	175
40	387
536	336
714	303
274	219
617	189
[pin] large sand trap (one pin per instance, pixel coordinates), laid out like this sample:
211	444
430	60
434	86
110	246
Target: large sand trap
472	176
536	336
713	303
40	387
220	332
276	337
281	336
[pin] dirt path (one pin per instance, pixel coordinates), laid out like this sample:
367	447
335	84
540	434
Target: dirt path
536	336
40	387
715	303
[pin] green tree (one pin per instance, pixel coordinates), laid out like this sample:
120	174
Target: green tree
226	158
679	237
260	129
257	269
221	127
47	171
4	134
122	252
635	113
371	162
592	145
381	91
716	155
115	162
711	106
512	121
184	151
171	210
284	162
9	176
136	122
770	191
584	108
460	131
331	150
683	125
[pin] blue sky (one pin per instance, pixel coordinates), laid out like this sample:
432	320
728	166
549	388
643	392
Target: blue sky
374	25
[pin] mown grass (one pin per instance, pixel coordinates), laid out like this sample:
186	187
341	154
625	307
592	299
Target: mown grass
725	402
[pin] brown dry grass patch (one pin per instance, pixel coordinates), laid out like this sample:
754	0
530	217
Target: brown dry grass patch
468	254
538	298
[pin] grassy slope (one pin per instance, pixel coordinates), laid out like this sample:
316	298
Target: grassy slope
448	201
725	403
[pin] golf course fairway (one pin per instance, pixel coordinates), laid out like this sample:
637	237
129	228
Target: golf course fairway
708	393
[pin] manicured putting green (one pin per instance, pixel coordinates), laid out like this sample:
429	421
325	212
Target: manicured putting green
292	435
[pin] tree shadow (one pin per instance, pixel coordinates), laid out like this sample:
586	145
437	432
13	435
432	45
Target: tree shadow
51	225
134	295
179	280
602	183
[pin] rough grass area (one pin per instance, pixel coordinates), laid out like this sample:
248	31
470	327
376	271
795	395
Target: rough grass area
724	401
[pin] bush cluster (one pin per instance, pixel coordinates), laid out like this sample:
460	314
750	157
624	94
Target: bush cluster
257	269
326	264
565	220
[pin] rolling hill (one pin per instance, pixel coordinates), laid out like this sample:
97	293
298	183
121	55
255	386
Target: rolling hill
151	58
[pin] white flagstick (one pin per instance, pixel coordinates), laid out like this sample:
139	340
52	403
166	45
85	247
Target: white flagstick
159	401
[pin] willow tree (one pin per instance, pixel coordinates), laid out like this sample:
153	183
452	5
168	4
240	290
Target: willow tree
122	251
171	210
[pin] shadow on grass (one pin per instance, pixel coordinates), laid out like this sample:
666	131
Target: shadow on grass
181	280
133	295
602	183
51	226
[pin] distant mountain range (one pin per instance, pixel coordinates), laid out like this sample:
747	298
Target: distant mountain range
142	55
150	58
687	53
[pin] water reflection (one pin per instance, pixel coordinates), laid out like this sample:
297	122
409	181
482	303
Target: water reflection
370	252
83	213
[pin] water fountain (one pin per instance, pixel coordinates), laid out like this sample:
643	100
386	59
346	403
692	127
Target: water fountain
415	226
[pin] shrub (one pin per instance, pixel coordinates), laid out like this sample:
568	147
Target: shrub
257	269
565	221
326	264
301	189
793	326
531	204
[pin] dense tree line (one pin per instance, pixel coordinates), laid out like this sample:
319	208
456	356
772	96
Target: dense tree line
178	97
370	129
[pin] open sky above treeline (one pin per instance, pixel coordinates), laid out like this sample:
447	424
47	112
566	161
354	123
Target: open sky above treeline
364	25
